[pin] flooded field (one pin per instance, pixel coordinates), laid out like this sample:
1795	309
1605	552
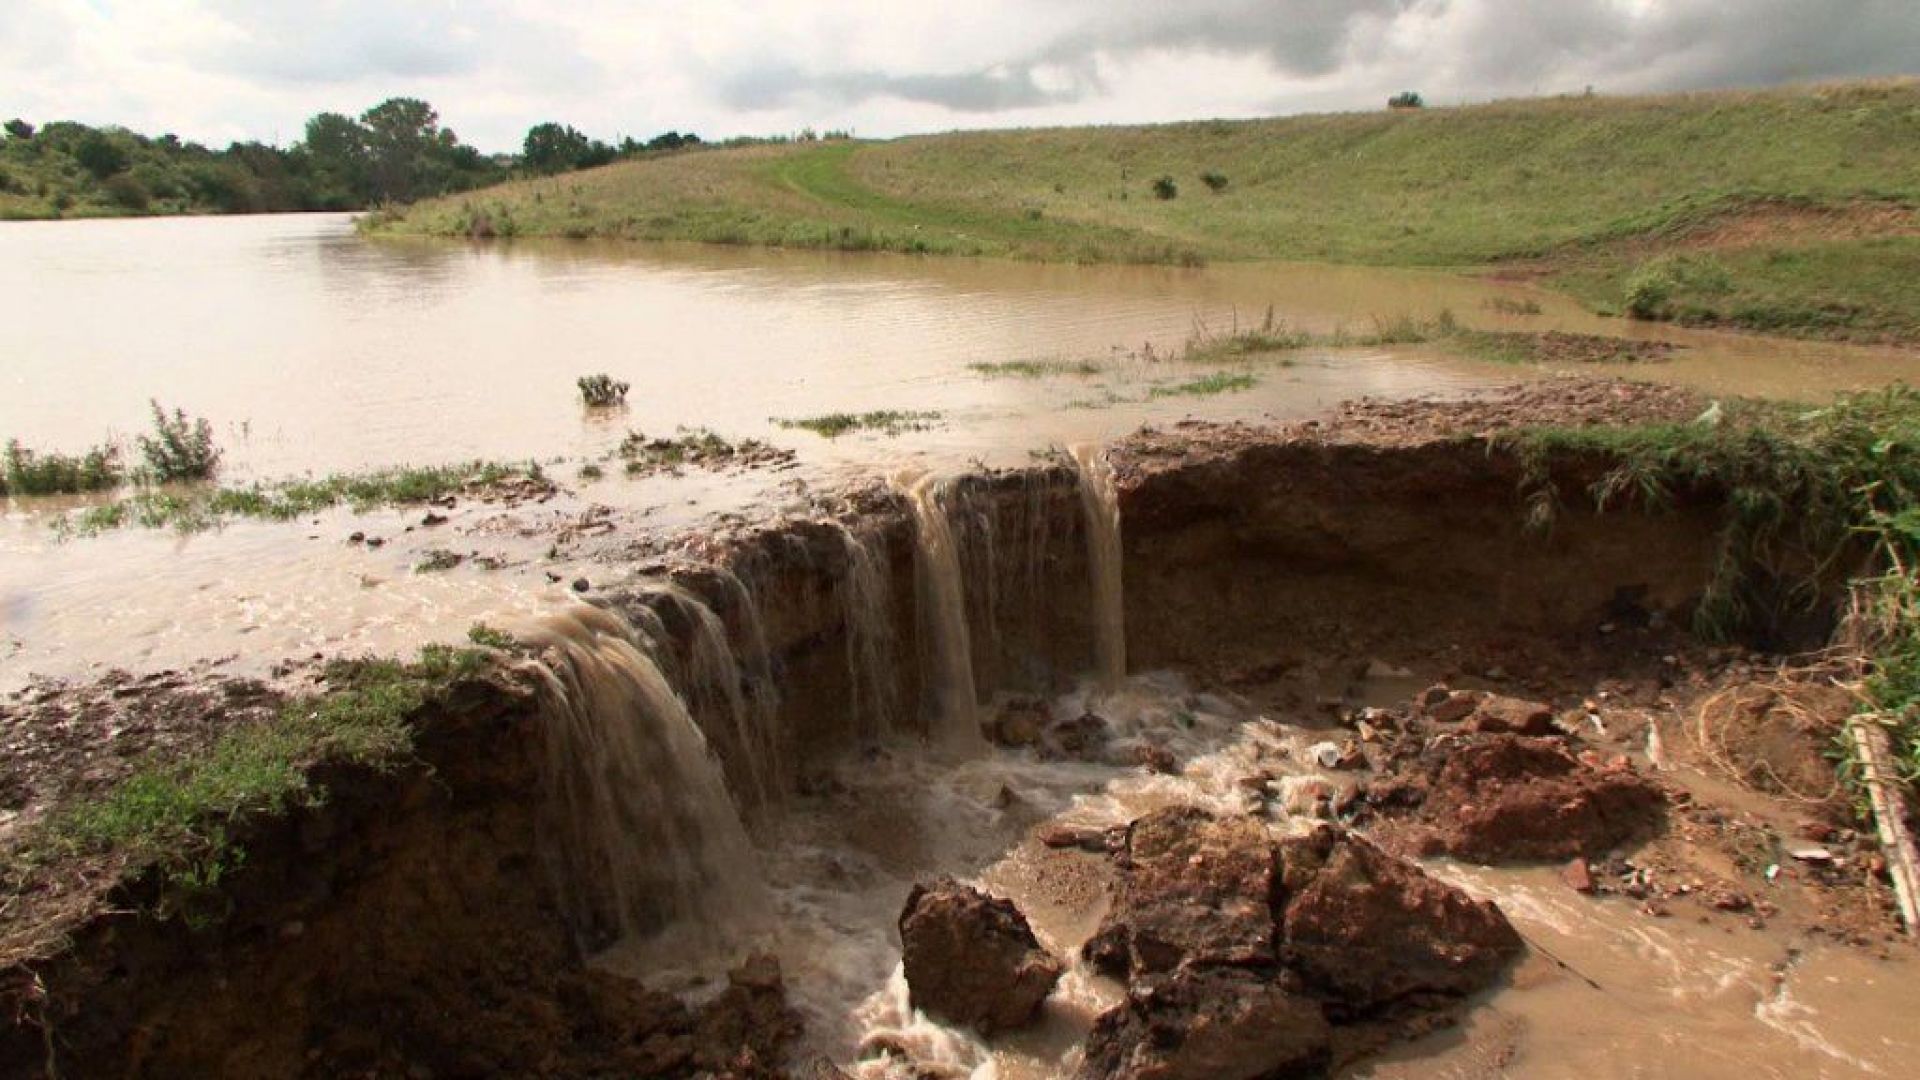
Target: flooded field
314	350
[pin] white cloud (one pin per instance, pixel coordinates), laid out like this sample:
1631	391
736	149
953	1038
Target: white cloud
223	69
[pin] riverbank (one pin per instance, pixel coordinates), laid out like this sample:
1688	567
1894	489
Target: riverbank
1785	211
171	822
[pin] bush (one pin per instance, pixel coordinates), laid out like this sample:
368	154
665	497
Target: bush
1165	188
1406	99
180	449
128	192
601	391
1649	292
1215	181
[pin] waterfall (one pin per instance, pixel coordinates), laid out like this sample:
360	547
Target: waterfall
727	699
941	600
867	599
642	832
1102	505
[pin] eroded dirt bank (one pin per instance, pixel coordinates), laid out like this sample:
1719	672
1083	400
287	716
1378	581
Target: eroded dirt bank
1316	581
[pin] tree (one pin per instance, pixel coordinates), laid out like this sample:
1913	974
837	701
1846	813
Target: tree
100	155
554	148
19	129
336	145
400	133
1406	99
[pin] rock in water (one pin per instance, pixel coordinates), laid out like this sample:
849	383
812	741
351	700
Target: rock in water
1241	953
971	959
1208	1024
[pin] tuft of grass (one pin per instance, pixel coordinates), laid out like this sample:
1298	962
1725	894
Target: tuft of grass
487	637
1220	382
176	816
887	421
1034	369
29	472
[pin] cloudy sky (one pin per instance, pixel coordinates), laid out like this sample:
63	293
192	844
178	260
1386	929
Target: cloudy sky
216	70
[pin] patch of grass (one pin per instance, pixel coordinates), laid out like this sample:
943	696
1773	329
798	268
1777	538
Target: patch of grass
200	509
1506	305
887	421
701	447
488	637
438	560
176	815
1220	382
29	472
1034	369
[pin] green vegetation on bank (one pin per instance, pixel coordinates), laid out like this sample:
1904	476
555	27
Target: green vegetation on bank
1813	498
174	813
1585	190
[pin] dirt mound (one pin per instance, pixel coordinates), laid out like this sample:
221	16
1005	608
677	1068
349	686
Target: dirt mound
972	959
1506	797
1242	953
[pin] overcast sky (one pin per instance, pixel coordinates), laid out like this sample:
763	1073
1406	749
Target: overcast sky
217	70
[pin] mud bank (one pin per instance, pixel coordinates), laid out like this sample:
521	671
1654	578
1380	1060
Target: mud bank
442	918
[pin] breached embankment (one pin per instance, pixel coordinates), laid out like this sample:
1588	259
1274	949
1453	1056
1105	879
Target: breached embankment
733	740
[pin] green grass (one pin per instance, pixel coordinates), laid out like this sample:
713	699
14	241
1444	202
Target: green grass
1590	185
198	509
27	472
885	421
176	814
1034	369
1810	495
1220	382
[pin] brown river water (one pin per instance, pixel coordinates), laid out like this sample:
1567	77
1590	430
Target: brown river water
313	349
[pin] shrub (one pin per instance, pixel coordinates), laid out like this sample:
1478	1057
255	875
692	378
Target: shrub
128	192
1215	181
1165	188
1406	99
180	449
601	391
1649	291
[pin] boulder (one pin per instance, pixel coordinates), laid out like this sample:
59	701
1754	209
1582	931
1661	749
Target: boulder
1498	715
1193	889
1078	739
1364	929
1208	1024
1512	798
747	1029
971	959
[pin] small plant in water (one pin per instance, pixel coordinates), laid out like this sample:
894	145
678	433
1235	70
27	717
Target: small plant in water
888	421
601	391
26	472
180	449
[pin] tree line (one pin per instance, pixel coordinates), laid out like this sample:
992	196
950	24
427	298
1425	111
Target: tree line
396	152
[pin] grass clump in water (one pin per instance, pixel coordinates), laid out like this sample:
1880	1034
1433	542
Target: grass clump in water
1220	382
1034	369
886	421
181	448
30	472
601	391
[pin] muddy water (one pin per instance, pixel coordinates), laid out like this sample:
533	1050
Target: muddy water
312	349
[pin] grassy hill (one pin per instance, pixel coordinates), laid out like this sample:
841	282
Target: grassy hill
1794	210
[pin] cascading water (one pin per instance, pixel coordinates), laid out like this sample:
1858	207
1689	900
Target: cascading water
867	599
643	832
1102	504
717	690
942	603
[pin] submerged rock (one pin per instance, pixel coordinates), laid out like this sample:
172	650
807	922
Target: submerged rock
971	959
1241	953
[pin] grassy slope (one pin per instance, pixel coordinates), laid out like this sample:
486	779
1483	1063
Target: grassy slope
1583	183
